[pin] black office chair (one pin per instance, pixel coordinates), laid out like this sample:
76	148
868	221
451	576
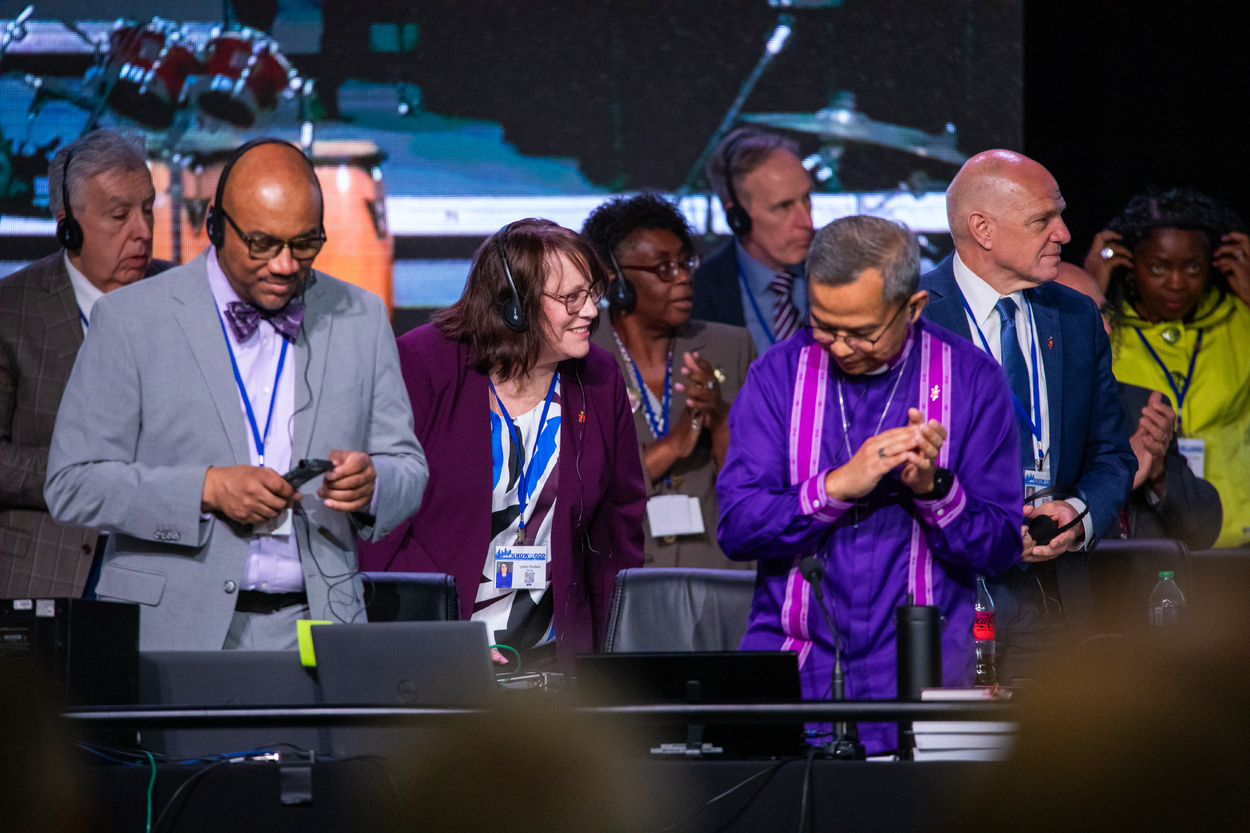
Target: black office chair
1221	576
1124	572
668	609
411	597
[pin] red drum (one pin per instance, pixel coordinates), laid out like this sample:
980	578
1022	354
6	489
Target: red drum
148	68
247	73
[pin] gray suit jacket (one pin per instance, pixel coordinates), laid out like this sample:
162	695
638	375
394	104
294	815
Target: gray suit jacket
730	350
152	403
40	334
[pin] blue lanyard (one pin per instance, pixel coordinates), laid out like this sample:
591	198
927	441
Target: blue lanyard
1167	374
768	331
1035	424
260	439
527	468
85	323
659	425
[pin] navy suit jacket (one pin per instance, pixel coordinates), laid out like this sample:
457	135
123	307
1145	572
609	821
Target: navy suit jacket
717	293
1089	445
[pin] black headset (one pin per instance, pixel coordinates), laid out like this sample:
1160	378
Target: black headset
622	296
215	222
511	310
737	218
68	230
1042	528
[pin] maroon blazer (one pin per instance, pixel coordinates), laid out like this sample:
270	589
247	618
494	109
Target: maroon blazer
597	529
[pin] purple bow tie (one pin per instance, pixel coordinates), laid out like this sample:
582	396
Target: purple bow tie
245	318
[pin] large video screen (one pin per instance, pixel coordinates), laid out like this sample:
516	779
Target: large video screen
433	124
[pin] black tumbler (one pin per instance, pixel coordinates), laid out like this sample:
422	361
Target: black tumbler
919	661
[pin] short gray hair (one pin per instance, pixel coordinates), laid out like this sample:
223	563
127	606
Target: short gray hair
751	148
843	249
100	151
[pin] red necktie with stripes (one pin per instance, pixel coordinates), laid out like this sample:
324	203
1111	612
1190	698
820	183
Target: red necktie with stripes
785	313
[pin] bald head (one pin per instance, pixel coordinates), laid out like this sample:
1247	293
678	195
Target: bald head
1004	211
272	192
1074	277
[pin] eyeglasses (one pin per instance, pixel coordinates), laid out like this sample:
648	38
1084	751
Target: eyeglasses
574	301
267	247
862	343
667	271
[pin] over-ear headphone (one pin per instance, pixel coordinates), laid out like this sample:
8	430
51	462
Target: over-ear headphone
737	218
68	230
511	310
215	222
622	296
1042	528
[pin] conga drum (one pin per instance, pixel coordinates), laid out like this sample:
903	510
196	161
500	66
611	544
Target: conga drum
358	249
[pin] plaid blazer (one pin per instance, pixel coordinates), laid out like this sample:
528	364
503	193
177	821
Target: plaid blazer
40	334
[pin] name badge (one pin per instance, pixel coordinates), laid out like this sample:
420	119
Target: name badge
520	568
1193	450
1035	481
280	525
675	515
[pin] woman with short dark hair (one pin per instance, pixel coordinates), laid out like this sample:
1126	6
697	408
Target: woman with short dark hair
681	374
530	442
1178	283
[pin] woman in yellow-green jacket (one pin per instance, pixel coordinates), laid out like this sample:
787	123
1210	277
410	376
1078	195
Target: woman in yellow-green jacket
1177	271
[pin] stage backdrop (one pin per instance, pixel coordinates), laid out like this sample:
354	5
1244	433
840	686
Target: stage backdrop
433	124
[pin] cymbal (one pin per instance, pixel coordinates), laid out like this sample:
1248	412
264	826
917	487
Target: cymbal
849	125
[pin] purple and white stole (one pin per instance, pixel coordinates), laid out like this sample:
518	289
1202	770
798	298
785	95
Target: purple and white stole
807	420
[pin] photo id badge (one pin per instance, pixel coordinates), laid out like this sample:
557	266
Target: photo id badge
280	525
520	568
1035	481
674	515
1194	451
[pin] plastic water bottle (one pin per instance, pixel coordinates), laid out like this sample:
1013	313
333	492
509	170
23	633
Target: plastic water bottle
983	635
1167	603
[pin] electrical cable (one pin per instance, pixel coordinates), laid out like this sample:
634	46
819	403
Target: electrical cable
151	789
183	786
770	770
807	784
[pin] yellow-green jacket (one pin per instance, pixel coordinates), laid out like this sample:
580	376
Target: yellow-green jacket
1217	405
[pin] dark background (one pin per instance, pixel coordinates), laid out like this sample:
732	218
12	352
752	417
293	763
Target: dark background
1121	95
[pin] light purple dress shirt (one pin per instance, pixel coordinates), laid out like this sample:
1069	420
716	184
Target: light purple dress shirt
273	564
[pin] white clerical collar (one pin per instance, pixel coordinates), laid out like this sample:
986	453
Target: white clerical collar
981	297
85	291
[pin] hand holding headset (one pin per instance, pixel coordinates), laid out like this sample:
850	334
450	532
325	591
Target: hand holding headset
1042	528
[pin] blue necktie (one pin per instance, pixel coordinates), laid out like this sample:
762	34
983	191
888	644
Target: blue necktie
1017	374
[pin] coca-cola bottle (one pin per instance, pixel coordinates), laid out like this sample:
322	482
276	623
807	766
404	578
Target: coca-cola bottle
983	635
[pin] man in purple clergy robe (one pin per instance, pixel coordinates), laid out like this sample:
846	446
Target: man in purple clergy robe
885	446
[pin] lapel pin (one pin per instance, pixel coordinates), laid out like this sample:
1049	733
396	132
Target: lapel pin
1050	343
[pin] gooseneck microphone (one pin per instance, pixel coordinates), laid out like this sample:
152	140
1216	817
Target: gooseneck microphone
845	743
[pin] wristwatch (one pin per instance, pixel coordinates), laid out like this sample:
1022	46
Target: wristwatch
943	479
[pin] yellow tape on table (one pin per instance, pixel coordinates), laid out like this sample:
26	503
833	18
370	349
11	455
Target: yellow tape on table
303	628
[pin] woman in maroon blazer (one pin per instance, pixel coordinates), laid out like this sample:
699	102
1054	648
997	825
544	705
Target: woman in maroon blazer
531	445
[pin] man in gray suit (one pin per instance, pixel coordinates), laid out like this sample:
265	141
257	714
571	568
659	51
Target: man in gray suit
193	392
44	313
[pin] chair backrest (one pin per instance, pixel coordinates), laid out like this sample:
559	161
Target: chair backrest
672	609
1222	576
1124	572
411	597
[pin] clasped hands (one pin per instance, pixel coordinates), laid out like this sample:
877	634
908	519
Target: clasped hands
705	404
914	447
254	494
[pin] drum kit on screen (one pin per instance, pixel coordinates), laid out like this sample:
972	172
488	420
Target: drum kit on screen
156	69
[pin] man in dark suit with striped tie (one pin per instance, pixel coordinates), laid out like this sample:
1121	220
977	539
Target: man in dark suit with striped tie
45	310
755	280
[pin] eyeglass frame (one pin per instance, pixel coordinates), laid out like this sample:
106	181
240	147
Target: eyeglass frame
319	238
689	265
857	342
571	308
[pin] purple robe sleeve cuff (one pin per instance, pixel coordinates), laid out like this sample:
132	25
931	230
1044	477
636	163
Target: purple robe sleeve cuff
941	512
815	501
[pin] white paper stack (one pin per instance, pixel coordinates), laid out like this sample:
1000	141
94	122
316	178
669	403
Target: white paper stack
963	740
